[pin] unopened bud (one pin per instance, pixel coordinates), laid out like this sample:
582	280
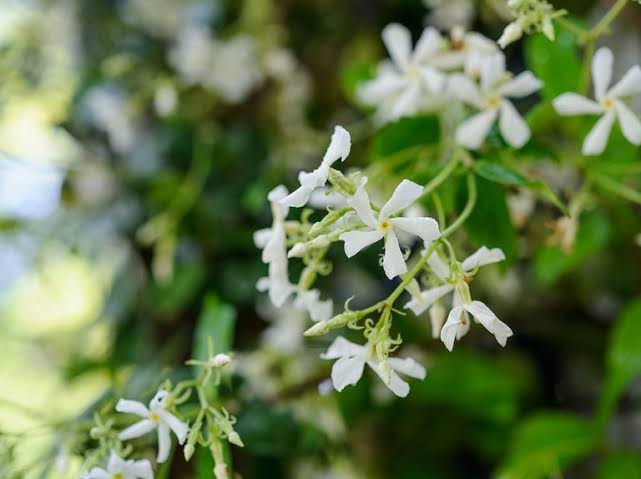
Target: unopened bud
437	318
235	439
511	34
189	451
318	329
220	360
297	251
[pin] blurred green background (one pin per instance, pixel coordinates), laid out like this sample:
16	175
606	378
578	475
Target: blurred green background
134	167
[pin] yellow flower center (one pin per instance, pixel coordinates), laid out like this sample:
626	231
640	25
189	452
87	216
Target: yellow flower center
385	225
413	72
493	102
118	475
154	417
608	103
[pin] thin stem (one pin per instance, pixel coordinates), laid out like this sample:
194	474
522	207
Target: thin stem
441	176
571	27
623	191
603	25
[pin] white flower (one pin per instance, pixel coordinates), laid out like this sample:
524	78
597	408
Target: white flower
156	417
458	324
385	227
609	103
512	33
402	83
191	53
446	14
309	300
339	147
490	97
351	360
118	468
466	49
273	242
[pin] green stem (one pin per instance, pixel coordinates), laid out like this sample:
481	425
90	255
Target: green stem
623	191
571	27
603	25
441	176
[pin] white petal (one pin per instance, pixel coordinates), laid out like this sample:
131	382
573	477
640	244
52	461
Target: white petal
115	463
297	198
473	131
339	147
277	193
136	430
602	71
407	366
597	139
629	122
512	32
321	310
488	319
465	89
355	241
492	70
522	85
513	126
261	237
424	228
393	262
398	41
279	285
427	298
380	88
438	266
575	104
481	257
346	371
397	385
434	80
98	473
629	85
179	428
407	101
428	45
406	193
142	469
276	247
360	202
342	347
450	328
132	407
164	443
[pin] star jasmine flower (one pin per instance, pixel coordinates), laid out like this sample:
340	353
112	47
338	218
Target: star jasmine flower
351	359
402	82
339	147
466	48
385	227
273	242
118	468
455	281
154	417
609	103
491	98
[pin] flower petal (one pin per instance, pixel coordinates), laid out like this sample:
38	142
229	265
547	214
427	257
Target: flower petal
261	237
488	319
629	122
142	469
433	79
346	371
465	89
522	85
450	328
164	443
339	146
393	261
380	88
492	69
360	202
425	228
406	193
407	101
179	428
513	126
407	366
630	84
602	71
438	266
98	473
355	241
575	104
136	430
297	198
132	407
427	298
597	139
473	131
481	257
427	45
342	347
115	463
397	385
398	41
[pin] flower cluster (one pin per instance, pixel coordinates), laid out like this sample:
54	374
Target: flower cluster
530	16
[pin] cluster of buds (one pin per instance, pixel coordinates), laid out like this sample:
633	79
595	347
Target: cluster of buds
530	16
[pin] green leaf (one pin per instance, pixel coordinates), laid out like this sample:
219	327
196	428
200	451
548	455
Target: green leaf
623	358
593	233
503	175
490	223
547	443
407	133
619	465
355	74
556	63
216	322
171	296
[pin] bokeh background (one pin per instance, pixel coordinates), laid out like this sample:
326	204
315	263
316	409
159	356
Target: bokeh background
138	142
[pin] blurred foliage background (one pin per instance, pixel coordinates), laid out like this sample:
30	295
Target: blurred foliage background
139	140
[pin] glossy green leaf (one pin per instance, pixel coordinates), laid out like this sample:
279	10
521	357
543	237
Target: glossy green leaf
620	465
547	443
354	75
406	133
556	63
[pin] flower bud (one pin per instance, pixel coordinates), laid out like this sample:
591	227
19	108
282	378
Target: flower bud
437	318
297	251
318	329
189	451
235	439
220	360
511	34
